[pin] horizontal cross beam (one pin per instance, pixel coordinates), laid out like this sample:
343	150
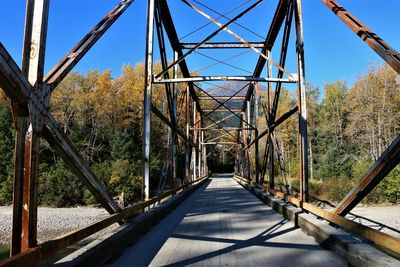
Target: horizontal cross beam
222	110
221	98
226	78
213	45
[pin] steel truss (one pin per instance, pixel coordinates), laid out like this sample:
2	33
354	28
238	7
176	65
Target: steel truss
30	91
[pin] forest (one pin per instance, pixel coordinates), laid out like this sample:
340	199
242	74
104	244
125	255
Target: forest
349	127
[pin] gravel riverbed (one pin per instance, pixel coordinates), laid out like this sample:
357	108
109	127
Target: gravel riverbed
53	222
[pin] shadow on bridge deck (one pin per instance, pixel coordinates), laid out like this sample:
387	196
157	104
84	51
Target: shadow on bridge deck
222	224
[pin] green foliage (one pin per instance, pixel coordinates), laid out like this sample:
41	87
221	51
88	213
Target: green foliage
348	130
6	191
58	186
6	154
335	163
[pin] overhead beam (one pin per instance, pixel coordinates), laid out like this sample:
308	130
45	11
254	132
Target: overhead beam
384	50
381	168
225	78
223	45
220	143
222	110
221	98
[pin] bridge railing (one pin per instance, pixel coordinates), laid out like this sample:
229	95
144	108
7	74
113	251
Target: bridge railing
36	254
381	239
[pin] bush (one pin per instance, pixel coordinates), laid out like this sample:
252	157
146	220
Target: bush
59	187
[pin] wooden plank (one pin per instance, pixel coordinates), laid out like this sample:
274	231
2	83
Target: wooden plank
227	226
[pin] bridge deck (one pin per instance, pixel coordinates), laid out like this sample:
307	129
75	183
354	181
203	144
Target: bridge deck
224	225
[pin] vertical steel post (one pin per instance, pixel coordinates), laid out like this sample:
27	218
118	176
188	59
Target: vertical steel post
271	170
147	99
204	155
248	137
187	120
20	124
200	152
24	232
175	122
302	102
256	135
194	154
243	139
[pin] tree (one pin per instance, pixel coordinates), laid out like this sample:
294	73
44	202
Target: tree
374	104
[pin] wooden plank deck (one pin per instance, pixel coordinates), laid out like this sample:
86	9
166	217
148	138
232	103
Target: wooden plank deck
224	225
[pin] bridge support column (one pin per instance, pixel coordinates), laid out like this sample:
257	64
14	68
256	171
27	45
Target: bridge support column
28	124
256	152
187	121
303	143
194	154
147	99
175	122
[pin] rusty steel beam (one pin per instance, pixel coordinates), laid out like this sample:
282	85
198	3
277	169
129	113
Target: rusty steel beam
301	89
20	125
228	128
13	82
224	45
220	143
282	60
222	110
61	70
17	88
389	159
164	63
174	41
71	157
291	79
187	124
25	218
384	50
221	98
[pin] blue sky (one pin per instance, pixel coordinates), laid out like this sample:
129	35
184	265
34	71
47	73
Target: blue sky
332	51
